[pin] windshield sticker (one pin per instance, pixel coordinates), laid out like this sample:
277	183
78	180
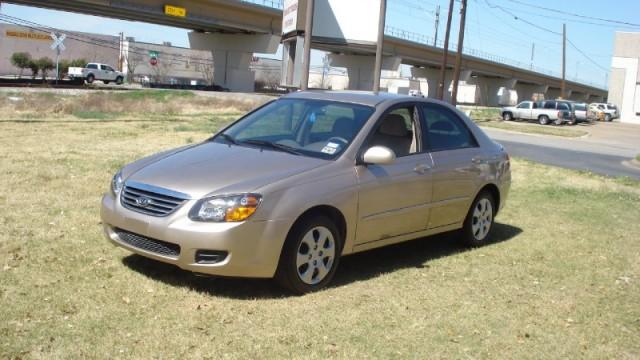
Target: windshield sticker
329	150
333	145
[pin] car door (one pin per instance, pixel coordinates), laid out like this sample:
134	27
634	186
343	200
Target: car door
394	199
457	161
523	110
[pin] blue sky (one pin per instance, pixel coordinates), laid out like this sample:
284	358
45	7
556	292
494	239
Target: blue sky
489	29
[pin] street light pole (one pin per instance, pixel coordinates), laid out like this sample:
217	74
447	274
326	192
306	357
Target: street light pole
308	28
456	69
377	71
445	53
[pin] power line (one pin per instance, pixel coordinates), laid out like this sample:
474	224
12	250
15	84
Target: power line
587	57
574	14
516	17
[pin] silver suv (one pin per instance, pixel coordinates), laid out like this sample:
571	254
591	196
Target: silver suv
294	185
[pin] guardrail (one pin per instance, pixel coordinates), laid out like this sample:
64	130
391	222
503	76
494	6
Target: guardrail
428	40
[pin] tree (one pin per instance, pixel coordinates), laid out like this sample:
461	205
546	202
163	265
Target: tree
34	67
206	69
21	61
45	64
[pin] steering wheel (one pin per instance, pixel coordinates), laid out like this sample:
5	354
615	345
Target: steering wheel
341	139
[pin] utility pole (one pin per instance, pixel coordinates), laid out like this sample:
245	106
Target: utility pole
533	50
435	37
308	28
377	71
445	53
564	60
456	69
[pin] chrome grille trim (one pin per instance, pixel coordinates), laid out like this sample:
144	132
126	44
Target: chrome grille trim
151	200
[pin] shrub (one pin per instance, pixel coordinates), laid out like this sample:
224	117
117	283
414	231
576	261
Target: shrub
34	67
21	60
45	64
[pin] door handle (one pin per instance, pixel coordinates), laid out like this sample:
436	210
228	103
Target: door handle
478	160
421	168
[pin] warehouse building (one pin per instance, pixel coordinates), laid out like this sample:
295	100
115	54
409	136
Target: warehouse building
624	81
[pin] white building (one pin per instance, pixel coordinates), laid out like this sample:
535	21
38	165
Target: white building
624	81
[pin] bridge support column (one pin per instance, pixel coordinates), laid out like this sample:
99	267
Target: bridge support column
360	68
595	99
430	76
497	91
531	92
578	96
232	55
553	93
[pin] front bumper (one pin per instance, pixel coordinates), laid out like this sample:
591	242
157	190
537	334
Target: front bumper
253	247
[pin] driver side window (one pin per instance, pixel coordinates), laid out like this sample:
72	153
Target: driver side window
397	131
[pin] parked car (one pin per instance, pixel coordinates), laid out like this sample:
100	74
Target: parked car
292	186
582	113
96	71
545	112
609	111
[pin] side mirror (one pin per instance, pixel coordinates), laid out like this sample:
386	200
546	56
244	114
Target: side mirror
379	155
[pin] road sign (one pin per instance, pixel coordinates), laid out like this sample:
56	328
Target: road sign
175	11
57	42
58	46
153	54
153	61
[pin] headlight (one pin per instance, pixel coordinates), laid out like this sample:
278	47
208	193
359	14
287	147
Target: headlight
231	208
117	183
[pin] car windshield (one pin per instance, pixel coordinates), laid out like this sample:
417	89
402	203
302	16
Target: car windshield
316	128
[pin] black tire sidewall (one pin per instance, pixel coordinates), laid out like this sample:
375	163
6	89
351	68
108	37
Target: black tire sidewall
467	230
287	273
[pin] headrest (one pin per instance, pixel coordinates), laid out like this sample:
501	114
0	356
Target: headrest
393	125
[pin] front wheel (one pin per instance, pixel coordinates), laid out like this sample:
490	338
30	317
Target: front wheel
507	116
90	78
119	80
607	118
479	221
310	255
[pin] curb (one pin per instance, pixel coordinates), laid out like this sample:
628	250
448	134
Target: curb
633	163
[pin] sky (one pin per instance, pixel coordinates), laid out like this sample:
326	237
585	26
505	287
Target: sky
505	28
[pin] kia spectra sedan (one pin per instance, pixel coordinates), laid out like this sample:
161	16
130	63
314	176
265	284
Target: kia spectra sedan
292	186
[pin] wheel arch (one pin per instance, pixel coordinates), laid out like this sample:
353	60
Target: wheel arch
494	191
333	213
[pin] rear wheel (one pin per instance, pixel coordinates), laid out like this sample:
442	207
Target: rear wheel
543	119
310	255
507	116
90	78
479	221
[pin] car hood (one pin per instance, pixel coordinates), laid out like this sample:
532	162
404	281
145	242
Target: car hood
218	168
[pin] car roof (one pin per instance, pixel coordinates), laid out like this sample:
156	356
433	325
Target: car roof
357	97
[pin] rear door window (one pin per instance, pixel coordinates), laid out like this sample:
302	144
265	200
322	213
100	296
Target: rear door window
550	105
445	130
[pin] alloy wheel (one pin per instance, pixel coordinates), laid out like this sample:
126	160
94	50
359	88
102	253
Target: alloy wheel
482	217
315	256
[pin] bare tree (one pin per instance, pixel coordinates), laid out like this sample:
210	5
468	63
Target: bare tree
206	69
132	60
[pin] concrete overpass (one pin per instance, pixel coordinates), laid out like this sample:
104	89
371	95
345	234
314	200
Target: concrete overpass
233	30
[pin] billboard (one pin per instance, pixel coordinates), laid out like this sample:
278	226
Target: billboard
340	21
290	16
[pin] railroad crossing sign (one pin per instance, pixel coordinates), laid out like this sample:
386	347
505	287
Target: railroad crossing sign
57	42
58	46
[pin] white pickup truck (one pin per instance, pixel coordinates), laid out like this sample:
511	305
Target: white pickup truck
544	112
96	71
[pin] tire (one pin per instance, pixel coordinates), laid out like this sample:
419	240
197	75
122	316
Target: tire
507	116
90	78
119	80
310	255
105	82
607	117
558	121
543	119
478	224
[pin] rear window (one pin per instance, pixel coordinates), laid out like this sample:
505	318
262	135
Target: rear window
581	107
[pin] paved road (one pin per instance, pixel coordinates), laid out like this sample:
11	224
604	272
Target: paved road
601	157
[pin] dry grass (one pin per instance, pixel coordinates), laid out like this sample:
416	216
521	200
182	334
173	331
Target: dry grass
562	279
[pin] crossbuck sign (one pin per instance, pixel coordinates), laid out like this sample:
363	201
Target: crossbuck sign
58	46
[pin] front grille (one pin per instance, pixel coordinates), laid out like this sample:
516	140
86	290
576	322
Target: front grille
151	245
150	201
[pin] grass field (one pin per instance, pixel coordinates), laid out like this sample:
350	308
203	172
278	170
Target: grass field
490	117
562	279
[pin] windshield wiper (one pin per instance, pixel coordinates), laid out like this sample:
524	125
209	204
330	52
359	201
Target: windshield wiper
228	138
275	146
